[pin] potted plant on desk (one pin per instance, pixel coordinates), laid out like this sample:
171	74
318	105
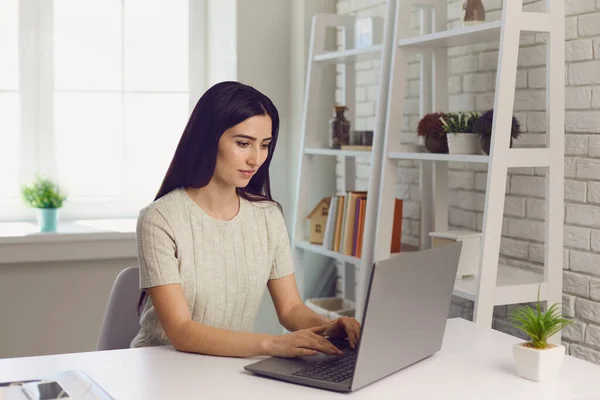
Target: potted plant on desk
46	197
537	359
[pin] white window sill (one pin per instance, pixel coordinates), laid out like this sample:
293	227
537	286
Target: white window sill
21	242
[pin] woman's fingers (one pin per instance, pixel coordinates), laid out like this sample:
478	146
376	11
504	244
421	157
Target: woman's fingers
343	326
351	329
316	342
325	344
318	329
355	328
300	351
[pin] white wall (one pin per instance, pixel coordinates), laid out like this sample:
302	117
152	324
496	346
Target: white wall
471	87
221	44
49	308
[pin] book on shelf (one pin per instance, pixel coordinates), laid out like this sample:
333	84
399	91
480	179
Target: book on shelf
344	229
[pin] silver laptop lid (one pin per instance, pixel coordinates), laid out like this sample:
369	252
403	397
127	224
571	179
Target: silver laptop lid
407	307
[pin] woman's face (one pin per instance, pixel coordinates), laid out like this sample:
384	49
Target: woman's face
243	148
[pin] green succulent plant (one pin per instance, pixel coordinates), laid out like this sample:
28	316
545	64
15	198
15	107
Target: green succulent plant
459	122
43	193
537	324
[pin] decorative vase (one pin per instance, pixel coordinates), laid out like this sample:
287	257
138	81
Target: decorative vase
474	12
47	219
463	143
339	128
538	364
436	144
486	141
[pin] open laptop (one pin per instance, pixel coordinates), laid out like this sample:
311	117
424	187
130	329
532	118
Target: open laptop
407	306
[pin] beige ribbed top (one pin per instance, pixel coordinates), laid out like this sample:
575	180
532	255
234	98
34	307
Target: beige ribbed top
223	266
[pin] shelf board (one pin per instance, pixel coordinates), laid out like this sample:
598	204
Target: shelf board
470	158
480	33
318	249
336	152
507	276
351	55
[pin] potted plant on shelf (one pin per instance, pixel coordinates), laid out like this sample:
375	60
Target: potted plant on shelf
537	359
459	131
47	198
483	127
431	129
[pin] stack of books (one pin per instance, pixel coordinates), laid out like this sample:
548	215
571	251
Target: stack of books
346	222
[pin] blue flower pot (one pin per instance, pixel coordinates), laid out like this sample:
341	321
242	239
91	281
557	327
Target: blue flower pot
47	219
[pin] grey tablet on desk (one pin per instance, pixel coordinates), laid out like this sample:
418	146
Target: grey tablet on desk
407	306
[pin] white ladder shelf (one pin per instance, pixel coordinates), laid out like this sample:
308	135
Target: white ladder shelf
494	284
317	166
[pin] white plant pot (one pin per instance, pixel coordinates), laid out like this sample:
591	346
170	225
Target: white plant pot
463	143
538	365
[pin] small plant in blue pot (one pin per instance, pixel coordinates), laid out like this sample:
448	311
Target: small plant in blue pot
47	198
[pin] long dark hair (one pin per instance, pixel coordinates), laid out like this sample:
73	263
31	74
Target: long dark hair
221	107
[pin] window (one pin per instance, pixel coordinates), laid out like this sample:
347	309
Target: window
9	99
95	94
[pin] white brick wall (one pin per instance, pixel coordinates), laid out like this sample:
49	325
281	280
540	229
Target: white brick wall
471	85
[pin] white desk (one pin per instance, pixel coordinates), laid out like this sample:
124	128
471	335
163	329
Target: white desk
474	363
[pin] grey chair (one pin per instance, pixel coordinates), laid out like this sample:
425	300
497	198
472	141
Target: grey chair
121	321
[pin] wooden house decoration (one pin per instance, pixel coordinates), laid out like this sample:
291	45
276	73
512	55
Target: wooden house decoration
317	220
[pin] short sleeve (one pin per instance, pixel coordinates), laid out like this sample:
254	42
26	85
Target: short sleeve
156	250
283	263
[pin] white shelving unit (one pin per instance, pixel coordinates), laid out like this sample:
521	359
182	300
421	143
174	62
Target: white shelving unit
337	153
315	145
466	158
494	284
484	32
349	56
318	249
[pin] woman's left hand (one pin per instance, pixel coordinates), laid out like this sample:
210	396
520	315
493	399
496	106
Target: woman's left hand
344	327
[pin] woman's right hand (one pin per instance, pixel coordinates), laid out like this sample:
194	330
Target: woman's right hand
305	342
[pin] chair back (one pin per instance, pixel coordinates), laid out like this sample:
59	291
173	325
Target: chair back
121	321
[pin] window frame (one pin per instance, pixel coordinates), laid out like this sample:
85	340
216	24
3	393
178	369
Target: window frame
36	92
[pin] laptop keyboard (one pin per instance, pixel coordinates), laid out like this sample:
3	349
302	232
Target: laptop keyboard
334	369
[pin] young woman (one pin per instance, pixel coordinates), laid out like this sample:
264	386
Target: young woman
213	239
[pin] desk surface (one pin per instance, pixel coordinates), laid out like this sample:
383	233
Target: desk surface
474	363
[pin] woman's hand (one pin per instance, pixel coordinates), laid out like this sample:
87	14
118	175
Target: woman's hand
305	342
343	327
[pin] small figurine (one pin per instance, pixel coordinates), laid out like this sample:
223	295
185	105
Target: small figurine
474	12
